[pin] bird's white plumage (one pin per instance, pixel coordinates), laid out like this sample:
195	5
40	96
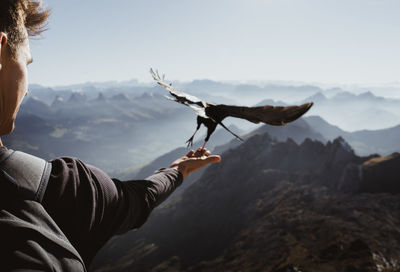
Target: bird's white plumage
174	92
199	111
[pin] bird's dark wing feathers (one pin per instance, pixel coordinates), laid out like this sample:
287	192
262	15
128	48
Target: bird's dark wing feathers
271	115
180	97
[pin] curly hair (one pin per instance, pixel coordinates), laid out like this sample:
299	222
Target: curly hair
18	15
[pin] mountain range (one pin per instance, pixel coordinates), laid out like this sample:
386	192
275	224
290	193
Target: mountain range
274	206
364	142
118	127
320	194
382	142
353	112
112	133
343	108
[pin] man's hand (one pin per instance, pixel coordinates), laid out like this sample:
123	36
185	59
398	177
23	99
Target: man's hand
193	161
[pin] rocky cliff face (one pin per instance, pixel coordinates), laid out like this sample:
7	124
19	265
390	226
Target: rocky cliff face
381	174
274	206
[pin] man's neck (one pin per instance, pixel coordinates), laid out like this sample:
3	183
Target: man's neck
1	143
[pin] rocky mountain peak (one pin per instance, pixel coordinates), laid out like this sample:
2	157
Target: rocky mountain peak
58	101
317	98
77	97
340	150
36	106
120	97
367	95
341	143
101	97
33	100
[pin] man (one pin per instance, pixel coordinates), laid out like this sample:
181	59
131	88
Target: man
87	206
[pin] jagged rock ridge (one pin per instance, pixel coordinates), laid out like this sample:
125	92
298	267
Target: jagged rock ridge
272	206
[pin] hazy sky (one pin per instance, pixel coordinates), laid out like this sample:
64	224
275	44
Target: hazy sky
327	41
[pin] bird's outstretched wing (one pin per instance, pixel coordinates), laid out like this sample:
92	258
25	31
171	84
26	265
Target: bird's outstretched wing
271	115
180	97
199	111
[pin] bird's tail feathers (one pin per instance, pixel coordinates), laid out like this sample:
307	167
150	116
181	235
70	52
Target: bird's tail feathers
293	113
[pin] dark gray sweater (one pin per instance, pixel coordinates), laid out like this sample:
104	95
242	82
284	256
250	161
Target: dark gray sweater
90	207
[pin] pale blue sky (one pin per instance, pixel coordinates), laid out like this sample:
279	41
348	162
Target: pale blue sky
327	41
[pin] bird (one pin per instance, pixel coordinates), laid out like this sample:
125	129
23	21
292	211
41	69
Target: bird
211	115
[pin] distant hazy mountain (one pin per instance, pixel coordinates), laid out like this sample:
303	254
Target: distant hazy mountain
364	142
126	125
298	131
110	132
222	141
271	102
273	206
356	112
313	127
247	94
347	110
220	136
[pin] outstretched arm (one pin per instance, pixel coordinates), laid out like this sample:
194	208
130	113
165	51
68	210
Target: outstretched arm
140	197
90	207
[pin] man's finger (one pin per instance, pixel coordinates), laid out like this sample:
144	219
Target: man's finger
210	159
190	153
200	152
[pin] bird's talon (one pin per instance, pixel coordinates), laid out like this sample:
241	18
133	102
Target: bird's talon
189	142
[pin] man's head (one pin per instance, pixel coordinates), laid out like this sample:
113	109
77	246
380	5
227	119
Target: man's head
19	19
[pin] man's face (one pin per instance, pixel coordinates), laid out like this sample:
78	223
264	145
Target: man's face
13	83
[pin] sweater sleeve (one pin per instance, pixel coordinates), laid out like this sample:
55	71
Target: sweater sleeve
139	197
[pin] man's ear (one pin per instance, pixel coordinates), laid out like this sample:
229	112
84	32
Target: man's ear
3	42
